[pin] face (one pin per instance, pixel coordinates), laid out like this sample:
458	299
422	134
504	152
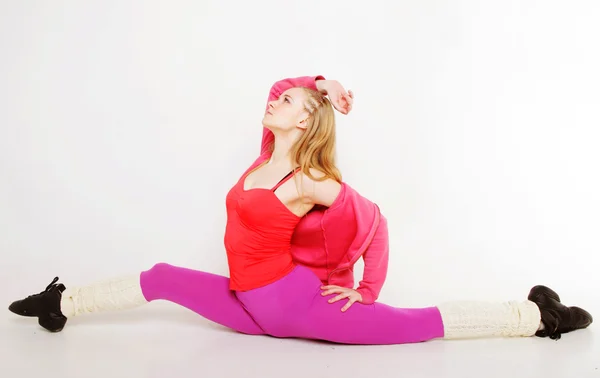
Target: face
287	112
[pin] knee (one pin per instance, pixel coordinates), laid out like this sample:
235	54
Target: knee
154	280
159	271
161	267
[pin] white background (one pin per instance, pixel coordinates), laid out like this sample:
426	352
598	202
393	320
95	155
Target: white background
123	124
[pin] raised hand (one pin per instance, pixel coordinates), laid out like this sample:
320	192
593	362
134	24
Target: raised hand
341	99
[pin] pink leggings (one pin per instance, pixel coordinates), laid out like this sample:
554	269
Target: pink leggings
291	307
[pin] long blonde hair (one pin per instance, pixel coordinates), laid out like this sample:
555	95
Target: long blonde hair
316	148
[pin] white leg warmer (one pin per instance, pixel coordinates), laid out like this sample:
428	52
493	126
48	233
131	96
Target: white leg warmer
473	319
110	295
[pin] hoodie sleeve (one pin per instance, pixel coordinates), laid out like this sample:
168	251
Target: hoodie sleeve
276	90
376	264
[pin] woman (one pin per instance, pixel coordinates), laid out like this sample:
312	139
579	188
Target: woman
294	231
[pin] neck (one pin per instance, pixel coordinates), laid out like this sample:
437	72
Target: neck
281	149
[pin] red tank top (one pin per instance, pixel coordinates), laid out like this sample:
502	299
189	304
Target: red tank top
258	235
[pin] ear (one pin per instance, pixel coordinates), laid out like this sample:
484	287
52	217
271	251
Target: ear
303	123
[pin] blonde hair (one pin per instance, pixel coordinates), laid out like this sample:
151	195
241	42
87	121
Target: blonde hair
316	147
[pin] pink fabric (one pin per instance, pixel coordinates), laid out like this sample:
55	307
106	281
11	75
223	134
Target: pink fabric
326	243
352	227
330	241
204	293
290	307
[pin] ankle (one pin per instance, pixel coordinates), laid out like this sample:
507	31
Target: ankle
67	306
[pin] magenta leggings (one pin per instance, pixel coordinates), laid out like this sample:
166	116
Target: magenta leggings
290	307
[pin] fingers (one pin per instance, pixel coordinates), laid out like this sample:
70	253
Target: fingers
347	294
348	98
331	289
343	293
338	297
347	305
342	101
342	106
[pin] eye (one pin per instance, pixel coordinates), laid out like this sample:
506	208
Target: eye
286	99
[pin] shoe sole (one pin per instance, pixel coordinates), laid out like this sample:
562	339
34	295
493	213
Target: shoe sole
53	322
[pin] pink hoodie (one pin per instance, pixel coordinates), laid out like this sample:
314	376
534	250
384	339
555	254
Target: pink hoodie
330	240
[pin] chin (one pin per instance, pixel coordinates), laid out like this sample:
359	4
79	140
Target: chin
268	125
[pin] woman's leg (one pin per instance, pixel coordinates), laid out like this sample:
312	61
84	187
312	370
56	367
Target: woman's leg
204	293
294	307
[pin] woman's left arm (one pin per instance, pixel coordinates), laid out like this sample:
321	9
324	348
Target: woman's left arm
376	259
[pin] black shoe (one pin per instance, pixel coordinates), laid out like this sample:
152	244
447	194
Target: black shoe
45	306
556	317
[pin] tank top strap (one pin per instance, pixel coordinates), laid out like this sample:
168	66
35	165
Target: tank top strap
283	180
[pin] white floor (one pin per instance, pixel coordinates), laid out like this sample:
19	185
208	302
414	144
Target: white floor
162	340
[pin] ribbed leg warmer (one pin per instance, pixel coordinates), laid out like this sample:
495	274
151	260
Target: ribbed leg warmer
110	295
474	319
